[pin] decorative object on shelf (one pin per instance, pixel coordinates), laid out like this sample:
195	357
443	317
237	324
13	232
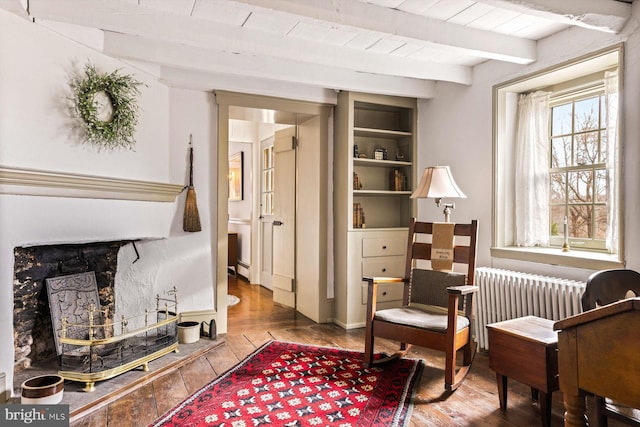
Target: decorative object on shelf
438	183
378	154
236	178
362	156
106	106
399	155
358	216
191	220
355	151
398	180
357	185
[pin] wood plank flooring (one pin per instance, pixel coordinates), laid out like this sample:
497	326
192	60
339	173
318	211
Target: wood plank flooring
256	320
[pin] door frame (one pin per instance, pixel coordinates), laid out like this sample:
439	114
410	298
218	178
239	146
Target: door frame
225	100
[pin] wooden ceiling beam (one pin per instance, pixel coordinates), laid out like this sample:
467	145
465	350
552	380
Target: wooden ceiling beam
198	59
601	15
191	31
357	14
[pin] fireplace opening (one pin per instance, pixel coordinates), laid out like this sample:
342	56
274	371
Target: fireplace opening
34	341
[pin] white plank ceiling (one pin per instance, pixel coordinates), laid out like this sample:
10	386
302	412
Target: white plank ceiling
399	47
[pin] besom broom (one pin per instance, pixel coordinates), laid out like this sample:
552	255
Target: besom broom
191	220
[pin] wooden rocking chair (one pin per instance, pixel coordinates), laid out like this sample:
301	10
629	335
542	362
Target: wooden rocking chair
437	305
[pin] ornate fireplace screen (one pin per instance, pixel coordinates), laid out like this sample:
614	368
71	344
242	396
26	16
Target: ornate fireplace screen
92	348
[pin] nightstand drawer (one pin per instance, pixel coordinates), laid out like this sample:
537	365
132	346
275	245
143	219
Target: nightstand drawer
384	267
383	247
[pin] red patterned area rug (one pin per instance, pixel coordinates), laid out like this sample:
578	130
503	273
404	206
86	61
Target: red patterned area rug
287	384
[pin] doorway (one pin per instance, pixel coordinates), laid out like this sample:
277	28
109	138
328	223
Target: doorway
308	286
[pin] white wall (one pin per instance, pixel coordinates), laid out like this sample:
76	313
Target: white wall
455	129
184	259
34	123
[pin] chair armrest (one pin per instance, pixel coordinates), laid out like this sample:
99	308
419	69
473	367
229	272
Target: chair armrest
462	290
384	280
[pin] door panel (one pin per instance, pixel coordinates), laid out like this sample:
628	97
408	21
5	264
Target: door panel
284	231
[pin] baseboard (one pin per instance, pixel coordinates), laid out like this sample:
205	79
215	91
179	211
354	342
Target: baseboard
348	325
198	316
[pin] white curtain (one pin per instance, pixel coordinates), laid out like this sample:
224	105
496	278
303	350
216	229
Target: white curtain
611	120
532	170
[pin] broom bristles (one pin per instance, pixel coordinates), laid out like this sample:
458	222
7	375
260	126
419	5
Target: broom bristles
191	221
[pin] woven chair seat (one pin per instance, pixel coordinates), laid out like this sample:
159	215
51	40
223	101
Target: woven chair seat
420	318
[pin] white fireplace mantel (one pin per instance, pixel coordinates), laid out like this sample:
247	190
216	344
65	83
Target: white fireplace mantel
57	184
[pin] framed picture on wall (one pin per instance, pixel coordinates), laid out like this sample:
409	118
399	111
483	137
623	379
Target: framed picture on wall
236	177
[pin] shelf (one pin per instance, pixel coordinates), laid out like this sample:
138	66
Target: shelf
380	163
379	132
28	182
366	123
380	193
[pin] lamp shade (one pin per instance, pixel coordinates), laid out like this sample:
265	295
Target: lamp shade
438	183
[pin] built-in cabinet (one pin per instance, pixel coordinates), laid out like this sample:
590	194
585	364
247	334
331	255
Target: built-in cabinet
375	146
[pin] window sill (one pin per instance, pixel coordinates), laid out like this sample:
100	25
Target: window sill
555	256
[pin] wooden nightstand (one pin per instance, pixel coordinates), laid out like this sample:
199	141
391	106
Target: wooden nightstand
526	350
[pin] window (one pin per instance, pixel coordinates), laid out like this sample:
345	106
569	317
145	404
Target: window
576	173
266	197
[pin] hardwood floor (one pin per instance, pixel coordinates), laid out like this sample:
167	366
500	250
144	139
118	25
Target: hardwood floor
256	320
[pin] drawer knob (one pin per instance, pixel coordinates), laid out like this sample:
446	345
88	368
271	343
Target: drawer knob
384	247
384	294
384	270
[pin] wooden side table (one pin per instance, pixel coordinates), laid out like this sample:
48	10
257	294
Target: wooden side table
526	350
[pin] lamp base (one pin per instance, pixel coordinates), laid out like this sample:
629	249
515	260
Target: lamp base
448	207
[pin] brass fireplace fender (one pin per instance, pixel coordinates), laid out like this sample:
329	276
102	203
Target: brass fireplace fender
90	378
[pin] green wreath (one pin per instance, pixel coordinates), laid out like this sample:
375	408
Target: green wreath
106	105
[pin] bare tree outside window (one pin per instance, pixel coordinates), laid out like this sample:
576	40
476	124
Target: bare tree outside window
578	176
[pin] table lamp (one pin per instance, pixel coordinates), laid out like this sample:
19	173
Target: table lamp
438	183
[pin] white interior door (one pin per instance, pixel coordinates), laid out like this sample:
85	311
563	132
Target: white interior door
266	212
284	230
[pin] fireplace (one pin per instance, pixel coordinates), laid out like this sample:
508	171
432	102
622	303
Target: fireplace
33	334
61	313
91	222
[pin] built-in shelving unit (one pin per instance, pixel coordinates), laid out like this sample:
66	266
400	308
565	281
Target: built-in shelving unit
375	145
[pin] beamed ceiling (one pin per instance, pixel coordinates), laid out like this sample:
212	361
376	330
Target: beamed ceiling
399	47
